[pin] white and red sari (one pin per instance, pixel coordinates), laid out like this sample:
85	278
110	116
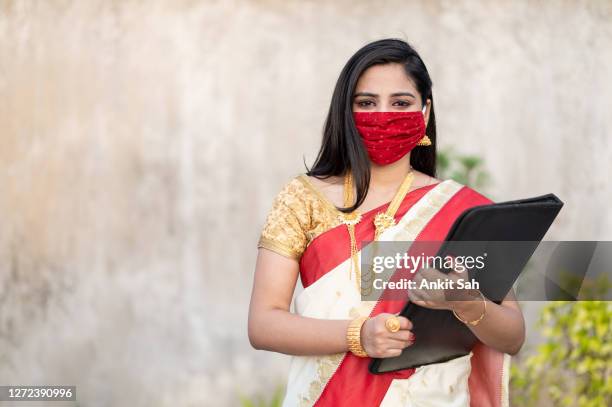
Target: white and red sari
478	379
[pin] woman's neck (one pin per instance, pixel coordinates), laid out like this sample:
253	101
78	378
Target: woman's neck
390	174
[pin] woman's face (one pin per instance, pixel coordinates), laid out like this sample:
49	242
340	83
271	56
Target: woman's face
387	88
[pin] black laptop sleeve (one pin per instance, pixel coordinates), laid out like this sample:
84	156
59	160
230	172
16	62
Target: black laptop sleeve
440	336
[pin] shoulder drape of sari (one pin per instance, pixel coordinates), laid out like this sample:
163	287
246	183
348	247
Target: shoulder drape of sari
343	379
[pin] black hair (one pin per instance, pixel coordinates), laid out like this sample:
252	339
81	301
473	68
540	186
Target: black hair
342	149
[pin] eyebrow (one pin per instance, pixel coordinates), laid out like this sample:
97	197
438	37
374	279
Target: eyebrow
375	95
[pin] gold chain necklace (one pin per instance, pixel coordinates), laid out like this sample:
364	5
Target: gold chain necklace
382	220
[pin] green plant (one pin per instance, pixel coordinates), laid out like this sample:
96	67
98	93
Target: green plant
463	168
259	401
573	365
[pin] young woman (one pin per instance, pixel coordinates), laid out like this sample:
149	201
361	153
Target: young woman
373	179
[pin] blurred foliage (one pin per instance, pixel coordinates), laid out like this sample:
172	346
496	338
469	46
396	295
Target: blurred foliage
573	364
464	168
260	401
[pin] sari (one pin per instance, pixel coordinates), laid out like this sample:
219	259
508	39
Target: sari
479	379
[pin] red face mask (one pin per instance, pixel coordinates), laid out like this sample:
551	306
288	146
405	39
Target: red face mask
388	136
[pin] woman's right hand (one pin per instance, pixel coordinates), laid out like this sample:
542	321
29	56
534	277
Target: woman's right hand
378	342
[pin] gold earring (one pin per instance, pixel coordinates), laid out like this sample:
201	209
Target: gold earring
425	141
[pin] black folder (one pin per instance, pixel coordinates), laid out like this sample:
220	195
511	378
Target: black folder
440	336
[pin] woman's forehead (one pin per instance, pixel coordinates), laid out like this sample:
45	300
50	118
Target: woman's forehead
385	79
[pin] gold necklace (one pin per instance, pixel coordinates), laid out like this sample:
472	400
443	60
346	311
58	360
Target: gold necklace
382	220
350	220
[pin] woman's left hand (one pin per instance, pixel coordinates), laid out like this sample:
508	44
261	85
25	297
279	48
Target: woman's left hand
436	290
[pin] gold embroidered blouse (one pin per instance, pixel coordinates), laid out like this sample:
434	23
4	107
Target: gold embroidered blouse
299	214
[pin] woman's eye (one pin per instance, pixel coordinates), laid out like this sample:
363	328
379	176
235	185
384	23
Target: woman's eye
363	103
402	103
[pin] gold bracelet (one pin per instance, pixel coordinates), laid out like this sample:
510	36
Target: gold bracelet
476	321
353	337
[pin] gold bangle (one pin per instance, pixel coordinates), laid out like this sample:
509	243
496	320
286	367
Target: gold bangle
353	337
476	321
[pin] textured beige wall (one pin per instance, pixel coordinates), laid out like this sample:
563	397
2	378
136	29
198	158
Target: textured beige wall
141	143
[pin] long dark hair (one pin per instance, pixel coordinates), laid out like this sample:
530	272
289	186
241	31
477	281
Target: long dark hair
342	149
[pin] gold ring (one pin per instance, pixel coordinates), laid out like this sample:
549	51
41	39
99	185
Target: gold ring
392	324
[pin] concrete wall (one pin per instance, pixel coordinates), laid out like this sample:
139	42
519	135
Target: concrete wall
141	144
